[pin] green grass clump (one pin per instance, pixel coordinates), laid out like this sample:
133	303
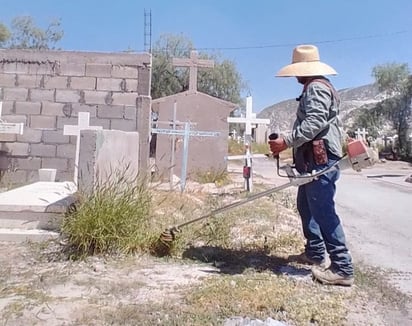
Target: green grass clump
114	217
236	148
218	177
260	148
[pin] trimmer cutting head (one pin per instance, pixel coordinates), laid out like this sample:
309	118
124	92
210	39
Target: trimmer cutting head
163	246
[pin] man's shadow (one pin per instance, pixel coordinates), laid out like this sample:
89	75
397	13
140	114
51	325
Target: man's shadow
231	261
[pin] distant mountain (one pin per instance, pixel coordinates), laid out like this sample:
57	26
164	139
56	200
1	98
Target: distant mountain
282	114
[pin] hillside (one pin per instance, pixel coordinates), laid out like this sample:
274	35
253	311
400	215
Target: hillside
282	114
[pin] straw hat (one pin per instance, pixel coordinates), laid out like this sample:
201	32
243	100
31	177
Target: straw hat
306	62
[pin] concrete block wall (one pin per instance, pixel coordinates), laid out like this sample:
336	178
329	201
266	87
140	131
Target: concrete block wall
46	90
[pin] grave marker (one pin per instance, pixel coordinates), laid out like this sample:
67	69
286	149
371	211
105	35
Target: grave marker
8	127
74	130
361	134
249	120
186	133
193	63
234	133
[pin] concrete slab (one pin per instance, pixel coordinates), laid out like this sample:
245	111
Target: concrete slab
31	220
34	212
18	235
40	197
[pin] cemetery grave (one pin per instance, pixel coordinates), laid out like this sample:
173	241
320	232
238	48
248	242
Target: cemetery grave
249	120
205	113
33	212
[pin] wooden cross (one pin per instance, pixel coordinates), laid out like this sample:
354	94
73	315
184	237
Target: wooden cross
74	130
193	63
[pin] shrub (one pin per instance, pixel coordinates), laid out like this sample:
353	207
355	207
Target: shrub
114	217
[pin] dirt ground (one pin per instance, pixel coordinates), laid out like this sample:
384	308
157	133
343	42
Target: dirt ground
38	287
36	291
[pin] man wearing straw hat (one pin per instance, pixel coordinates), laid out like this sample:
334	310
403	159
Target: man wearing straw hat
316	140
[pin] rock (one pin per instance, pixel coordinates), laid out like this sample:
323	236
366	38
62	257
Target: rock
240	321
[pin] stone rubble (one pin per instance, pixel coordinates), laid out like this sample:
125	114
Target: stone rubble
246	321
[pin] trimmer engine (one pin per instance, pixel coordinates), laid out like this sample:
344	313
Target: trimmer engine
359	155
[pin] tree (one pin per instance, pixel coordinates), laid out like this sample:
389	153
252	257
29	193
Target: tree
396	81
165	79
4	34
223	81
24	34
391	78
371	117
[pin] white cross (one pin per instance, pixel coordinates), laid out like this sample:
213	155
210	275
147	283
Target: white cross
8	127
249	120
234	132
74	130
361	133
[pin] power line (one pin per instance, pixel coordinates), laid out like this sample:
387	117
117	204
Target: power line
281	45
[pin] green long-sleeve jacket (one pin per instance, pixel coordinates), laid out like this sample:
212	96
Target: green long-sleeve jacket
317	118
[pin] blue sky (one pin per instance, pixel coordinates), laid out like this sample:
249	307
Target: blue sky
353	36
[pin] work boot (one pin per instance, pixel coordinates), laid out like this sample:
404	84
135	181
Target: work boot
330	277
303	258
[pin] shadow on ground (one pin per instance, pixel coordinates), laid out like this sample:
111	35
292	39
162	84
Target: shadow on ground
231	261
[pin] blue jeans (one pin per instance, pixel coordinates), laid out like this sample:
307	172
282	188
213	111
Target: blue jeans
321	225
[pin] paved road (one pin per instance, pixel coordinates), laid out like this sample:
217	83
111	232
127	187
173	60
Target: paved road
375	206
376	209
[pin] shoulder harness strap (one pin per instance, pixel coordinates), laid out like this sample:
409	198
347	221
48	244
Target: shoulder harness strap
325	82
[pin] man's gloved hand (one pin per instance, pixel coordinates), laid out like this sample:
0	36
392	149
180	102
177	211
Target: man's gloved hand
276	146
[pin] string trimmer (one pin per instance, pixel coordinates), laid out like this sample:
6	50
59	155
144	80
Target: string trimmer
358	158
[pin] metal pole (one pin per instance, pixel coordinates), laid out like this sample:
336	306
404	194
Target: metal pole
248	165
172	156
1	106
185	156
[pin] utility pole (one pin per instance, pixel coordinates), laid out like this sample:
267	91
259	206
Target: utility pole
148	30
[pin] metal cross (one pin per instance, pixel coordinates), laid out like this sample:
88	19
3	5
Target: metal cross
186	133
